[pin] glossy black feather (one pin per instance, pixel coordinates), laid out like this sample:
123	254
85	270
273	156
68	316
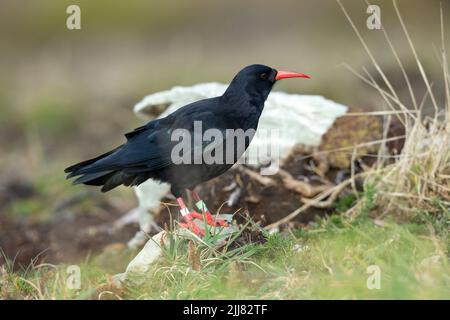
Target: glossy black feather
147	151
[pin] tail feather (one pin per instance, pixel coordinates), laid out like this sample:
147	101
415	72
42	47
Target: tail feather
118	178
113	181
94	179
75	169
106	178
97	172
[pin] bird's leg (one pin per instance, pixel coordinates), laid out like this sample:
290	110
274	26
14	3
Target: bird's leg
189	218
205	213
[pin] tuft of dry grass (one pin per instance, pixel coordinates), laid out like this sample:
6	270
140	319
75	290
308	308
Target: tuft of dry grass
419	176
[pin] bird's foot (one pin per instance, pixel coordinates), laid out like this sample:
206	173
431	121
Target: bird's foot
206	216
209	219
190	224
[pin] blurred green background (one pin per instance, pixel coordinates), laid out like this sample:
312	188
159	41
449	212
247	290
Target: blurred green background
66	95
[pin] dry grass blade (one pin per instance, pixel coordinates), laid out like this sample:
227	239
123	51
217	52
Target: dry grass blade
416	57
445	67
372	58
319	201
377	113
402	68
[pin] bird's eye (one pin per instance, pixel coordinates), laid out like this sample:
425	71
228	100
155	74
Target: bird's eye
263	75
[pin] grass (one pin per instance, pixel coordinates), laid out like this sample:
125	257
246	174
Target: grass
328	260
420	175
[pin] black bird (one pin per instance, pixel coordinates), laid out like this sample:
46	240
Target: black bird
149	150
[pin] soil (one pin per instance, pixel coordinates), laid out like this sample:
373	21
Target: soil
70	235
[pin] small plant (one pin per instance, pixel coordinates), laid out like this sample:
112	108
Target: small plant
344	203
215	251
368	200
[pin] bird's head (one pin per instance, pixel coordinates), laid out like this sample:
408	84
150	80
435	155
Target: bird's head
257	81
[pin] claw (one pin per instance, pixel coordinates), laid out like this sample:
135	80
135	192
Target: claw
208	217
213	221
190	224
189	217
200	204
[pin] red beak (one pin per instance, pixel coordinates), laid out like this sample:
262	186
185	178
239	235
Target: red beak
288	74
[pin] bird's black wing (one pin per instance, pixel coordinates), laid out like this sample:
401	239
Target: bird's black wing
149	147
145	149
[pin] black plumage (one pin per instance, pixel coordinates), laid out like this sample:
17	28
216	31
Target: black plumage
148	149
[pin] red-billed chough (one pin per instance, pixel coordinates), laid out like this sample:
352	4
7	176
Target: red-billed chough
194	144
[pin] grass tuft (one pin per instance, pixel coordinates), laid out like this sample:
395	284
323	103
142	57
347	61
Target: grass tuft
419	177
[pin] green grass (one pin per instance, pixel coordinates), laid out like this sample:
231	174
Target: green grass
326	261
